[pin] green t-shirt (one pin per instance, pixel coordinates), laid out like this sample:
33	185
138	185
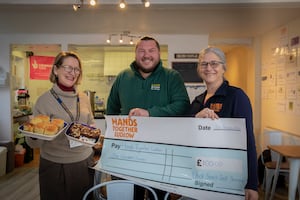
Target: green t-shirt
163	93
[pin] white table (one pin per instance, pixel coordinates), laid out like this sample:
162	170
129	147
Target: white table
293	154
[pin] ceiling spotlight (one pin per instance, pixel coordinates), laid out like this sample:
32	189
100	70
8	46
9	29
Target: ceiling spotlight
131	41
121	39
146	3
77	5
108	39
92	2
122	4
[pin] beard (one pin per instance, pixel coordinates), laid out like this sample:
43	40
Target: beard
139	67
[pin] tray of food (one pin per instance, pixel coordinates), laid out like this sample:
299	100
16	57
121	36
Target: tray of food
42	127
83	133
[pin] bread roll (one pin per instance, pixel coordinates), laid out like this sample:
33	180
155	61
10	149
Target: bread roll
41	124
40	118
36	120
44	118
50	129
28	127
58	122
39	128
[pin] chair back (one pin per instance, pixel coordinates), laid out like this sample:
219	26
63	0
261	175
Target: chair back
119	189
272	137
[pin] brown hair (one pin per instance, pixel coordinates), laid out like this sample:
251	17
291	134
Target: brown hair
147	38
58	61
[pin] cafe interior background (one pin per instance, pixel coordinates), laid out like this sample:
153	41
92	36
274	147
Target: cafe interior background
260	39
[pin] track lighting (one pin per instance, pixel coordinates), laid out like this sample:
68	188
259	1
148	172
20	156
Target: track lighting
79	3
122	4
123	38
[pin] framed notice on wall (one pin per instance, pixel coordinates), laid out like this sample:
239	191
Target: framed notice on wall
188	71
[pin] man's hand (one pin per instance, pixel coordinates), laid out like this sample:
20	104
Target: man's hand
138	112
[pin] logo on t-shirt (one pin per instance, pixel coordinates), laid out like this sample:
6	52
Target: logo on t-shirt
216	107
155	86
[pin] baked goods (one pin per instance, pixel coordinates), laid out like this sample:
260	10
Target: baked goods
44	118
41	124
36	120
39	128
51	129
28	127
77	130
40	118
91	133
58	122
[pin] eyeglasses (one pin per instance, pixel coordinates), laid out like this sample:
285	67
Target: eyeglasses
214	64
69	69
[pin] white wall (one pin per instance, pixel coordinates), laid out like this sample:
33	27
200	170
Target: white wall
280	102
176	43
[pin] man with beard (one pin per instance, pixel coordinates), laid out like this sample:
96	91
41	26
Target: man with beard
148	89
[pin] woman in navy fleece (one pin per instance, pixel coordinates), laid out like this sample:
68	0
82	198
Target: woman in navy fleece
222	100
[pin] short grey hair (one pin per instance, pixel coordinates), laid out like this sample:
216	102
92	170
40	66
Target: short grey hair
218	52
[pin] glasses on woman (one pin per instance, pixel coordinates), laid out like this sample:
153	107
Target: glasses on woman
214	64
70	69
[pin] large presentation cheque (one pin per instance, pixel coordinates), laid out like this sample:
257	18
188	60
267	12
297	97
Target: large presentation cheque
197	158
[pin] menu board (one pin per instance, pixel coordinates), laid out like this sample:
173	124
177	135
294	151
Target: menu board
189	156
188	71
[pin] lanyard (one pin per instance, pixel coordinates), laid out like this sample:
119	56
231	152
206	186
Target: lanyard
66	108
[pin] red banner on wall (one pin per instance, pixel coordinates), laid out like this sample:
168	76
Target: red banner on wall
40	67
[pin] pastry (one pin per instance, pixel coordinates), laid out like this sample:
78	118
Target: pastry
78	130
58	122
41	124
50	129
28	127
39	128
36	120
91	133
44	118
75	130
40	118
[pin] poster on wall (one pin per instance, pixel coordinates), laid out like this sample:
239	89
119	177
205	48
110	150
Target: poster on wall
40	67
